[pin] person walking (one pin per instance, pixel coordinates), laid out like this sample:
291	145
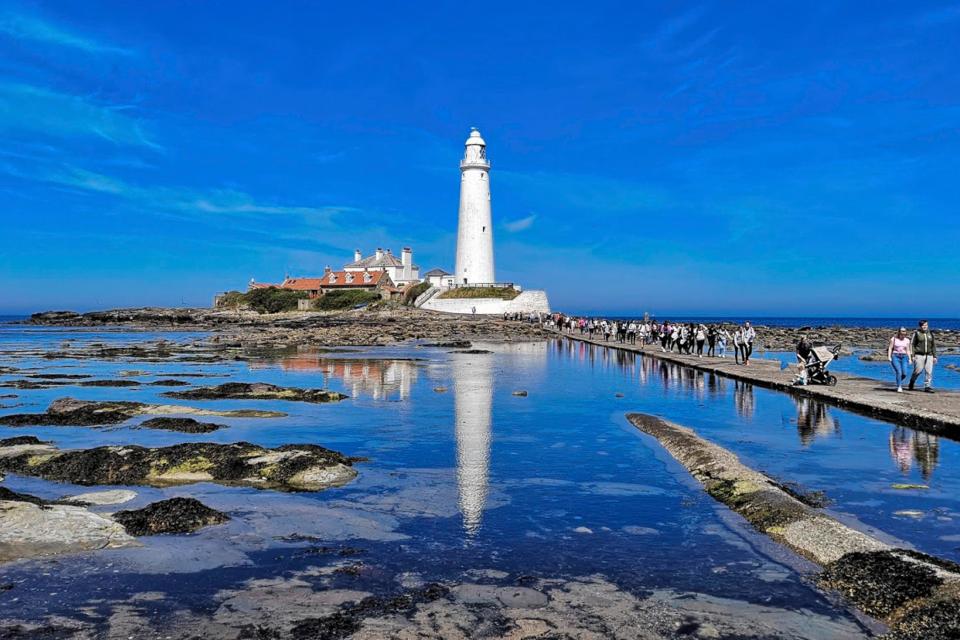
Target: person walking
804	350
712	340
900	353
701	337
749	335
723	337
924	356
738	348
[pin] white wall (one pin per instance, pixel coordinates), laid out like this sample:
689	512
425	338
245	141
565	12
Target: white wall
528	301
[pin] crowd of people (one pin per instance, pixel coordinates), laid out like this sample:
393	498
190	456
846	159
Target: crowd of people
712	340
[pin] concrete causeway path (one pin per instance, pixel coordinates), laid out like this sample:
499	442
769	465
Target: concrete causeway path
937	413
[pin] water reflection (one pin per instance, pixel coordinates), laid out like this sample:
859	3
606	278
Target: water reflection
473	385
379	379
743	399
908	446
813	419
645	369
473	404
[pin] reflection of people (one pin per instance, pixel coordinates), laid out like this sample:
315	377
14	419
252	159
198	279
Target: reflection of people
814	418
743	399
908	446
926	451
924	356
899	353
901	448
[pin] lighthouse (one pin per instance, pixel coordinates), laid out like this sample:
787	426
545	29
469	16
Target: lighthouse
475	228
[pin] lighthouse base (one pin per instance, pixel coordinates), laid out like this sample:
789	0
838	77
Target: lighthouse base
533	301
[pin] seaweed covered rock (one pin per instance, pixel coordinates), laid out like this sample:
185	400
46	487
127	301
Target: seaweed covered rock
176	515
292	467
880	582
256	391
89	413
73	412
183	425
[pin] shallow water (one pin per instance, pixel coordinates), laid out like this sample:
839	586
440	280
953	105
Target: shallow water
553	485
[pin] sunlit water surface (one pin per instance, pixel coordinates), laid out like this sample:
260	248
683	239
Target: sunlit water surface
464	474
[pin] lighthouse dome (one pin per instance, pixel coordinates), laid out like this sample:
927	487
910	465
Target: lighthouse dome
475	138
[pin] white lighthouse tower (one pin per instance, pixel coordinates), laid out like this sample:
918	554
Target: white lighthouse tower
475	230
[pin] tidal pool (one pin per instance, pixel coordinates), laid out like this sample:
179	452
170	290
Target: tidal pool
473	487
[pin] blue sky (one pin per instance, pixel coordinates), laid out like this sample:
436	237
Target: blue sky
712	158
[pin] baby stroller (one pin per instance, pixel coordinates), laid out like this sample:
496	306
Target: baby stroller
816	366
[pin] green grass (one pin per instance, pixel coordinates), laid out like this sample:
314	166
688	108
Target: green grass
504	293
345	299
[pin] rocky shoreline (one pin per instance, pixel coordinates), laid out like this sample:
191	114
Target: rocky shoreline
399	324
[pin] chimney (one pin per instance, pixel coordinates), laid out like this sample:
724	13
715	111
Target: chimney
326	270
379	253
407	257
357	256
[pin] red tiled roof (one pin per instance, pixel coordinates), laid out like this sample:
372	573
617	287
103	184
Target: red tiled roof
301	284
340	278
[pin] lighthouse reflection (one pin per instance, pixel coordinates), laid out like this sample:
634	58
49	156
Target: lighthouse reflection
473	385
473	406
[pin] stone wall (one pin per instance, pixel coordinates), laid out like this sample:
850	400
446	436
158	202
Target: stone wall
528	301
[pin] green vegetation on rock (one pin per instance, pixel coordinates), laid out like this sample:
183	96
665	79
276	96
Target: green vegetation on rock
345	299
415	292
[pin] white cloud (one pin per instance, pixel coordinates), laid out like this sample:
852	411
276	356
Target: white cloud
520	225
177	200
38	111
25	27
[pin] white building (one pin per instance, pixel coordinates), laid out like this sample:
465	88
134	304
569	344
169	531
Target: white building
438	277
475	230
401	270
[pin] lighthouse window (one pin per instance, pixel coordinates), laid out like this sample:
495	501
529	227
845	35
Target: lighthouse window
484	229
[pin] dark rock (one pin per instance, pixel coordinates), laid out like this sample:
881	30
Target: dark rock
453	344
292	467
19	440
110	383
169	383
473	351
183	425
520	393
256	391
7	494
879	582
938	619
72	412
176	515
810	497
348	620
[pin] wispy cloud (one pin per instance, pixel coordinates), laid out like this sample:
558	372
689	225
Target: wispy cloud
520	225
24	27
37	111
176	200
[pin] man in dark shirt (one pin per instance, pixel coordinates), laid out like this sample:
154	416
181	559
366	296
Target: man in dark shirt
924	356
